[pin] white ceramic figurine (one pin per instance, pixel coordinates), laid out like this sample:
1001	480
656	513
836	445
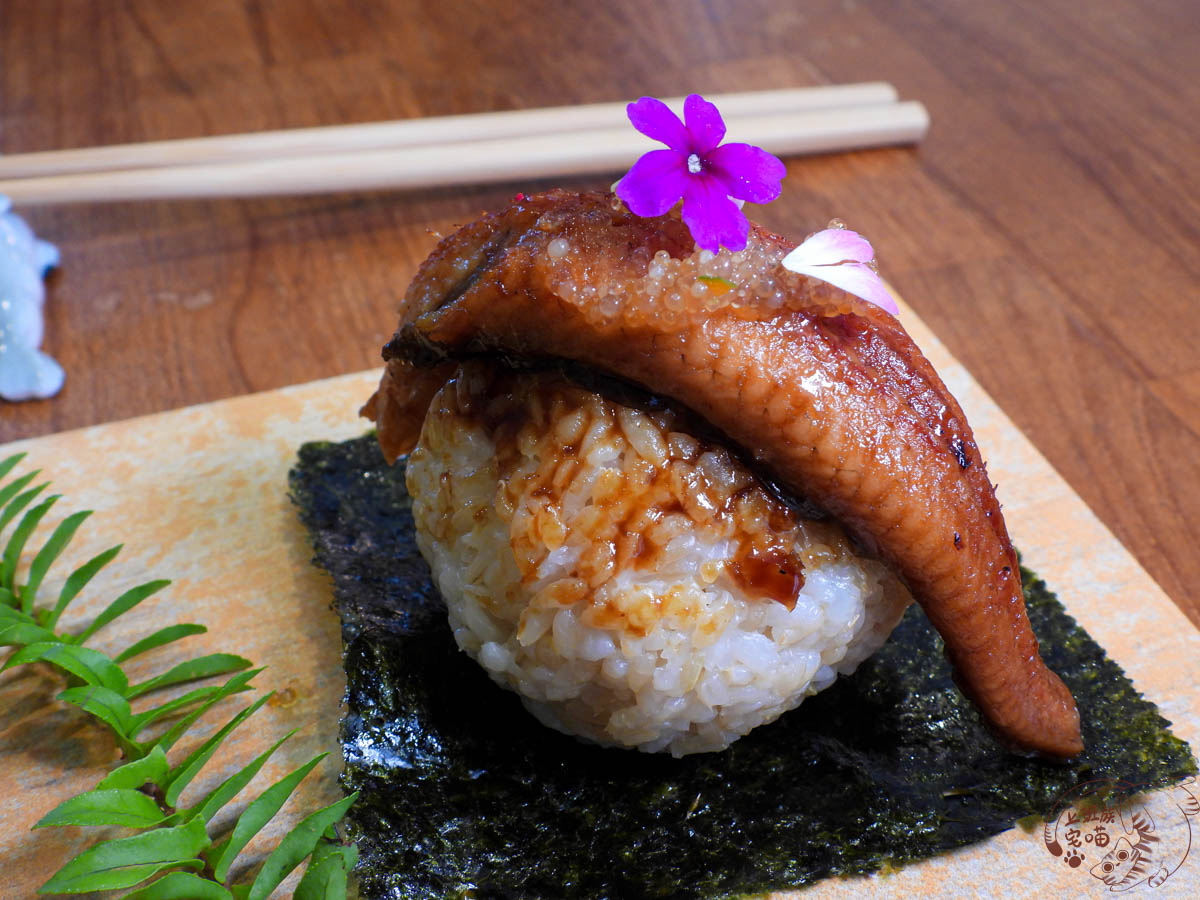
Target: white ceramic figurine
25	372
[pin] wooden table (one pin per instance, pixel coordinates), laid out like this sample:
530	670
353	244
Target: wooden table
1047	229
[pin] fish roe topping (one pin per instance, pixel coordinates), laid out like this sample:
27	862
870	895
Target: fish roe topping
679	290
615	490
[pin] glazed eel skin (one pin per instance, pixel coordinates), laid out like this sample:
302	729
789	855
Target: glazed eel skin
826	393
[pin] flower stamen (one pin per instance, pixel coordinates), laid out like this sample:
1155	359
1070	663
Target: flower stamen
694	164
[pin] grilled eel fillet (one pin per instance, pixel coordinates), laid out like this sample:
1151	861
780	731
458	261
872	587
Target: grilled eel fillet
826	393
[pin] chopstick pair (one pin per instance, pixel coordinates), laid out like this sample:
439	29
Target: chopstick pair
447	150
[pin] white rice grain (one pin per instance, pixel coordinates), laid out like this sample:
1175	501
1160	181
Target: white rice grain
594	558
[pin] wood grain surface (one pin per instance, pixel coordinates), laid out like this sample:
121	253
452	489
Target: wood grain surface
1047	229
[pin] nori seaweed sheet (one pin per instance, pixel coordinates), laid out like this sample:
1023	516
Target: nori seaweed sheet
464	793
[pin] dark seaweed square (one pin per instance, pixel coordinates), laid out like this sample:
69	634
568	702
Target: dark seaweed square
463	793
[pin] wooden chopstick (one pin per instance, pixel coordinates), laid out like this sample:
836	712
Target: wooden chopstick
575	152
416	132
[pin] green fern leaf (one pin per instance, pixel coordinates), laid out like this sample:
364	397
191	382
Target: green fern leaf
207	696
325	877
160	638
58	541
123	604
110	708
192	670
257	815
77	581
296	845
180	886
234	685
10	615
7	465
10	490
125	862
143	720
150	769
16	543
114	806
18	634
233	785
142	793
89	666
182	775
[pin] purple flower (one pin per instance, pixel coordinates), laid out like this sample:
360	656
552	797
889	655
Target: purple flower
840	257
695	168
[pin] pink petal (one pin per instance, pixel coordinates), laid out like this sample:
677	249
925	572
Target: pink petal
704	124
654	119
856	279
828	247
655	183
713	219
750	173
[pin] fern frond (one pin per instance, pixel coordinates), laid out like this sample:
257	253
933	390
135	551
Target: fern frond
7	465
233	785
160	638
110	708
192	670
109	806
151	769
235	685
18	634
86	665
325	878
182	775
16	544
181	886
256	816
76	582
122	605
49	553
126	862
10	508
172	849
296	847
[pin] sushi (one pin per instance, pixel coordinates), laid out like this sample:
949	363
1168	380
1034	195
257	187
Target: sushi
668	494
636	585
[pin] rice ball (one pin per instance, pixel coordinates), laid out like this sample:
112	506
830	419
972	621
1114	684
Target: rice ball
637	586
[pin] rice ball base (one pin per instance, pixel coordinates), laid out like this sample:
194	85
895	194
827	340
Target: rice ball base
635	585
